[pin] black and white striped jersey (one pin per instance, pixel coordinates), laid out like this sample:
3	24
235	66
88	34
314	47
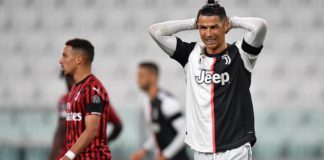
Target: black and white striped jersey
219	107
165	115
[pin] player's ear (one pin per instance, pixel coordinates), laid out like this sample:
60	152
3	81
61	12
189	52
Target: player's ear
79	59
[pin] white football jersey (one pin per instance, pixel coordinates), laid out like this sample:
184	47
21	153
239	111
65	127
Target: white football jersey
219	110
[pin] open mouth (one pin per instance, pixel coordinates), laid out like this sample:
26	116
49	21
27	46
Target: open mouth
211	42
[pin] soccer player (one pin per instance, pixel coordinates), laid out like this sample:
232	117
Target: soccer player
59	142
164	113
87	105
219	110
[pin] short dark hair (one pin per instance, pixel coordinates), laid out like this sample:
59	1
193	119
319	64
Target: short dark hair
83	45
150	66
212	8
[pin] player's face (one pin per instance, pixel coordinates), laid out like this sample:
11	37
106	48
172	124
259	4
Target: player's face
68	60
144	78
212	31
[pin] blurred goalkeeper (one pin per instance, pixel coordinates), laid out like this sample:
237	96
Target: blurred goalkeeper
219	109
164	114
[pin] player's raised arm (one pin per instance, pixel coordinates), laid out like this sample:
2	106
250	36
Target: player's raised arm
163	32
256	27
252	43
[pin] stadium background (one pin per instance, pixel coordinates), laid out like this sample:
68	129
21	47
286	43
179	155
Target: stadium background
287	85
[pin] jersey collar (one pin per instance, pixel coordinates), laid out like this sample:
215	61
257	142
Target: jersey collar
82	81
204	51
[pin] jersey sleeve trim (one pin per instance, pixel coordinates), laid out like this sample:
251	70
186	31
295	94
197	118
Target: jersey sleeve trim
94	108
182	52
248	59
175	116
250	49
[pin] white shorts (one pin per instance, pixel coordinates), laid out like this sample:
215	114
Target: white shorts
243	152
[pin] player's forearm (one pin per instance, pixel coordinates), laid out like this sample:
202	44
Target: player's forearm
169	28
256	27
178	141
84	140
163	32
115	133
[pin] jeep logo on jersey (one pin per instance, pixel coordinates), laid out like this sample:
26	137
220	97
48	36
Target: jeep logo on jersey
73	116
207	77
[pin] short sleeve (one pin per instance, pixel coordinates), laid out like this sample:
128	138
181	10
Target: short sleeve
183	51
249	54
251	49
172	109
94	101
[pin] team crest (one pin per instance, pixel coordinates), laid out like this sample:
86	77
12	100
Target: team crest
227	59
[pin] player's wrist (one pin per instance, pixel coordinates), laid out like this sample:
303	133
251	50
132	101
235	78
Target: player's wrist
69	154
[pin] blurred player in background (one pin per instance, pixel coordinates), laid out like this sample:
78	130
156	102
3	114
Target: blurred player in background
87	105
59	144
220	118
164	113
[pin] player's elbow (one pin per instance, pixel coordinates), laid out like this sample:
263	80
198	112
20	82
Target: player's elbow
262	26
92	131
154	31
92	134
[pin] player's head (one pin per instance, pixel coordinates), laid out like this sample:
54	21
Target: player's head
68	80
147	75
77	52
212	24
